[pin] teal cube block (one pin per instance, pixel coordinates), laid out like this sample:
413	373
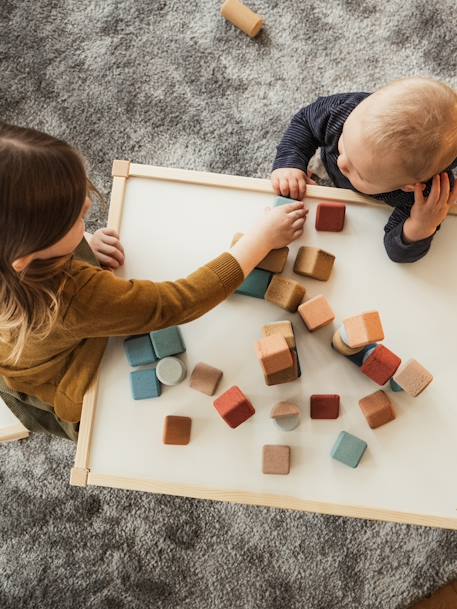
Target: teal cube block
395	386
348	449
282	201
168	342
145	384
139	350
255	284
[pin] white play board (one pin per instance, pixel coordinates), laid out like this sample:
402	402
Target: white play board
171	222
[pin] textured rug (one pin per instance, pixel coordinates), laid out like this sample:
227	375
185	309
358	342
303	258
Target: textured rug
170	83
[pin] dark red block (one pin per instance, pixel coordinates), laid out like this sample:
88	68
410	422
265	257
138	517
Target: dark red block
234	407
325	406
381	364
330	216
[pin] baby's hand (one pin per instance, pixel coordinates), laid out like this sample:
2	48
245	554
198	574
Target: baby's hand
290	182
107	248
283	224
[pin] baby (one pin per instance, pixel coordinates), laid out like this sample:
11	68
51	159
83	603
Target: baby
397	145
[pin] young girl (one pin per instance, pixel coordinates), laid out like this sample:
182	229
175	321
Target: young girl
58	306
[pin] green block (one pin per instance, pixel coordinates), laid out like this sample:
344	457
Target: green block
255	284
348	449
395	386
167	342
145	384
282	201
139	350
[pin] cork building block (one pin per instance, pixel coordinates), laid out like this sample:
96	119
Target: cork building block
139	350
205	378
380	364
144	384
325	406
377	409
314	262
285	293
286	416
274	261
276	459
176	430
339	345
363	329
413	378
348	449
330	216
171	371
284	328
285	376
274	354
167	342
316	313
234	407
255	284
242	17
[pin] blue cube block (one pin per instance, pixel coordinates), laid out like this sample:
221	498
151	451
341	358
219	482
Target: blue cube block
395	386
145	384
348	449
139	350
167	342
282	201
255	284
359	358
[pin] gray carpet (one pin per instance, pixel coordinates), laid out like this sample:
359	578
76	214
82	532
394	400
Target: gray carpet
170	83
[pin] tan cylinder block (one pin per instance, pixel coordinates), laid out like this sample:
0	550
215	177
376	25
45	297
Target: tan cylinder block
242	16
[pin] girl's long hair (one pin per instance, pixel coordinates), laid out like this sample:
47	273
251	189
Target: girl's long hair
43	186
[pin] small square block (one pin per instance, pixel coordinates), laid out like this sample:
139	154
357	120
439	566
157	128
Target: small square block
274	261
276	459
348	449
205	378
145	384
139	350
377	409
283	201
176	430
285	376
314	262
167	342
380	364
234	407
363	329
330	216
316	313
285	293
325	406
413	377
255	284
274	354
284	328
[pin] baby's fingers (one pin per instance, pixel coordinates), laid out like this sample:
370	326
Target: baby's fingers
445	190
284	186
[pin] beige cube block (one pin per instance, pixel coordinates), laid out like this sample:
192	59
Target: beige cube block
285	293
316	313
284	328
314	262
413	377
276	459
274	354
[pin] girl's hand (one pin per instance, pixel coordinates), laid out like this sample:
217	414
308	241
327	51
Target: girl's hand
290	182
283	224
107	248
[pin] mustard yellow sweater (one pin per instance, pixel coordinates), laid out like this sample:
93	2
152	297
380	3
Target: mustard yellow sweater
96	305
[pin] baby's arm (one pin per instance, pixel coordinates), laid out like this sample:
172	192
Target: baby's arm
107	247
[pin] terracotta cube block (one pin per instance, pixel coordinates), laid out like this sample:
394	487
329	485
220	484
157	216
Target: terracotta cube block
285	293
177	430
314	262
330	216
380	364
325	406
205	378
274	261
285	376
234	407
413	378
284	328
276	459
316	313
377	409
363	329
274	354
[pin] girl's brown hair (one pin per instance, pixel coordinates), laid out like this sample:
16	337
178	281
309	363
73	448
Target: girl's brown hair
43	186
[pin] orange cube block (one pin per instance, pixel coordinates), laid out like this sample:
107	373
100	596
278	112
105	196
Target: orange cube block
274	354
362	330
377	409
316	313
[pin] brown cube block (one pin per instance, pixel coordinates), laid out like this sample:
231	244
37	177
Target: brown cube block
284	376
205	378
274	261
177	430
325	406
276	459
286	293
316	313
274	354
284	328
413	377
314	262
362	330
377	409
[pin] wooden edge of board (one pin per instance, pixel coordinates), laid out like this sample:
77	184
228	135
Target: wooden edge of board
85	430
269	500
14	432
78	476
120	168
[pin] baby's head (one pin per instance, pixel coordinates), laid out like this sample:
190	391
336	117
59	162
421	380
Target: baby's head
403	134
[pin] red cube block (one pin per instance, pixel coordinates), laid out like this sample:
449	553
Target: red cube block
380	364
330	216
326	406
234	407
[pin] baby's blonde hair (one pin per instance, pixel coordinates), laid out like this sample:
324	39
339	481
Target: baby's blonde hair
416	118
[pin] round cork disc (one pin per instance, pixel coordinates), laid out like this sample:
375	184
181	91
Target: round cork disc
171	371
286	416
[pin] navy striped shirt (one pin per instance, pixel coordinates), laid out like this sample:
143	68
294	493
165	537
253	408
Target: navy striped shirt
320	125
